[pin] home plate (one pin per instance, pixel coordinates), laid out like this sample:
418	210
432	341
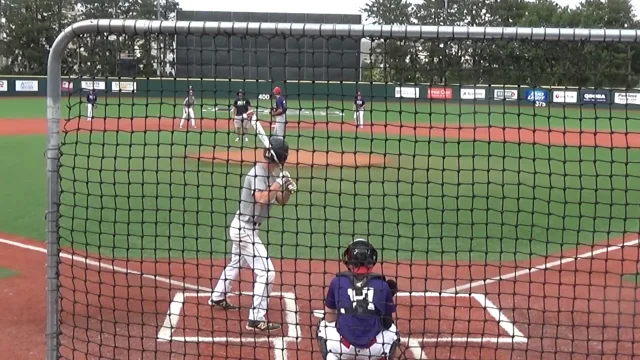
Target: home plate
318	313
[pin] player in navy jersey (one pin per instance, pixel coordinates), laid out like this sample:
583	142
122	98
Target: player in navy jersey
242	114
358	110
358	322
92	101
280	113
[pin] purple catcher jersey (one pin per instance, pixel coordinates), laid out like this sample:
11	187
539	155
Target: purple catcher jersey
281	104
360	309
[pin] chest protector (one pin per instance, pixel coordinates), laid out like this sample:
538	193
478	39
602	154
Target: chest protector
360	294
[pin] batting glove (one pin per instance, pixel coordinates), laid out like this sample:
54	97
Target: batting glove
285	175
283	178
291	186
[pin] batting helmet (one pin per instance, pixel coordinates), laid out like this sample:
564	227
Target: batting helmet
279	147
240	92
360	253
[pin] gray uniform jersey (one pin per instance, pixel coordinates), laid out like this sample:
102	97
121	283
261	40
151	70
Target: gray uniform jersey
189	101
258	179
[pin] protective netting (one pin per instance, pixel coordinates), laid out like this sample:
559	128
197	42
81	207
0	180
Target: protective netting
506	208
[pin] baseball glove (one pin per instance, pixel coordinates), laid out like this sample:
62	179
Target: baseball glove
393	286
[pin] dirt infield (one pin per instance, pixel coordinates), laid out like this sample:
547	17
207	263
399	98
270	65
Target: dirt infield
296	157
563	306
560	137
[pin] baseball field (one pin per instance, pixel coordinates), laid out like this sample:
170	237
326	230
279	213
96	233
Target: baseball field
512	230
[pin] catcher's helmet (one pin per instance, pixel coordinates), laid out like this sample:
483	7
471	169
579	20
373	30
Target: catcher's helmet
280	149
360	253
240	92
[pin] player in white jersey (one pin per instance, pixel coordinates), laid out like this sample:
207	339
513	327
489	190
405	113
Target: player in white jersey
187	111
261	189
358	107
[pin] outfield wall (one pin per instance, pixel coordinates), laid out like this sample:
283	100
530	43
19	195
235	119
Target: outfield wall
225	89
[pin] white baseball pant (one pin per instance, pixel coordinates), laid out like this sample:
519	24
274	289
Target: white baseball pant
188	113
338	351
90	111
242	121
248	249
280	126
359	116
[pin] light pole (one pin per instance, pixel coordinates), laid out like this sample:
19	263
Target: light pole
158	55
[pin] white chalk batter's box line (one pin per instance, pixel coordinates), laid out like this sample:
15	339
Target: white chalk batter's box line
294	330
175	309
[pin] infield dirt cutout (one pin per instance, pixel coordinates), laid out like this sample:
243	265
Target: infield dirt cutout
297	157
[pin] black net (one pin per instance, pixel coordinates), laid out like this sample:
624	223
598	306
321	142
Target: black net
497	180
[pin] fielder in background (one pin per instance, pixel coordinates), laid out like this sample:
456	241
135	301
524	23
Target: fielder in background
358	110
187	111
242	114
280	113
358	321
92	101
260	190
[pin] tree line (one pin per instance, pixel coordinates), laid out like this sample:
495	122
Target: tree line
31	26
504	61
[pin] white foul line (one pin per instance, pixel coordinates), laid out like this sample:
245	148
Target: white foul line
546	265
99	264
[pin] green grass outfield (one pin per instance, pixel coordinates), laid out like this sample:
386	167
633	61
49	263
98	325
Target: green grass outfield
135	194
408	113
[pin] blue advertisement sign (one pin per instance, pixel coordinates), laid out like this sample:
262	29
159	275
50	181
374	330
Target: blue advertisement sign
596	96
534	95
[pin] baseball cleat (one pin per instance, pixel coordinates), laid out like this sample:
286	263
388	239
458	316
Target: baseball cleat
224	304
237	139
262	326
246	139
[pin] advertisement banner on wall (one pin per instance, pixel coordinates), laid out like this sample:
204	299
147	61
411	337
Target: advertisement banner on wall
123	86
472	94
505	94
440	93
627	98
4	85
595	96
95	85
26	85
565	96
537	95
407	92
66	86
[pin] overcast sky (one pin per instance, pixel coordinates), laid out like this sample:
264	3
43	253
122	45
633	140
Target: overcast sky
304	6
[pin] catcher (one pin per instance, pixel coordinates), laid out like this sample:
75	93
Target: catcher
359	305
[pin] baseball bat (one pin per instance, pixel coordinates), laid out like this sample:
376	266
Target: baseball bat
262	135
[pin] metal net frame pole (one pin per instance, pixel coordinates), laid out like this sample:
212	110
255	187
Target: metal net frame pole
146	27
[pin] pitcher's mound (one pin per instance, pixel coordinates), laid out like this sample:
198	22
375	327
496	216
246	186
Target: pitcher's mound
296	157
